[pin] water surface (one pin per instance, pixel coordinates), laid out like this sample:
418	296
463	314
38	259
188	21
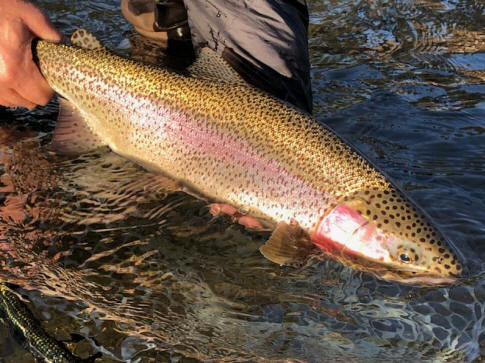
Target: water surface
100	252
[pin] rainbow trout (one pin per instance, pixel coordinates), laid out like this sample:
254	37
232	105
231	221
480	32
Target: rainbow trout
225	140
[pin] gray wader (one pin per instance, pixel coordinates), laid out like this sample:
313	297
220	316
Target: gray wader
265	41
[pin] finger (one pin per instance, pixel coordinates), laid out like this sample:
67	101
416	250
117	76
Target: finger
30	84
33	85
11	98
18	100
40	24
6	103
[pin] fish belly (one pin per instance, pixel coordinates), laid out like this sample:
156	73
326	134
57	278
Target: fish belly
218	164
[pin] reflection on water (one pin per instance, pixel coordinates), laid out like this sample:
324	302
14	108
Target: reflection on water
101	251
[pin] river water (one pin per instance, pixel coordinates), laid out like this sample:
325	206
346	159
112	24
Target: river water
100	254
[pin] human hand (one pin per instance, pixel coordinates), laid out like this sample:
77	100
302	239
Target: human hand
21	83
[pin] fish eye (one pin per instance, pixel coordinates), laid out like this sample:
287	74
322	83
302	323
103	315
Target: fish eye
404	258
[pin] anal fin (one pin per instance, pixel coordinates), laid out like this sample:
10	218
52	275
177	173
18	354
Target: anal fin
73	135
288	245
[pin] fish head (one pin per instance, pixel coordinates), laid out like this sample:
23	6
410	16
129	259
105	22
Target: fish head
382	233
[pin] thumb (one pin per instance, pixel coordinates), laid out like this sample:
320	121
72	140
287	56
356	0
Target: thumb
39	23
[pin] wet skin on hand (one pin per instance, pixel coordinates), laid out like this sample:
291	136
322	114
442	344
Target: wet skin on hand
21	82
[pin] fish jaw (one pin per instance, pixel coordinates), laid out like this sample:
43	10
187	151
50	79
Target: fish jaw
351	237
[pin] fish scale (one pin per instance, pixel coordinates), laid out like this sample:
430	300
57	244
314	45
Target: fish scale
233	143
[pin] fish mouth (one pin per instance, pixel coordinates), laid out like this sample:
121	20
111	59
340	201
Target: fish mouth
352	239
391	273
425	280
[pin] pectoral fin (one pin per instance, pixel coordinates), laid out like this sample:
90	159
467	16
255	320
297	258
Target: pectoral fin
73	135
288	245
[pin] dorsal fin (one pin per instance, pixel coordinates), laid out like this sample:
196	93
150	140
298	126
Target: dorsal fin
83	39
210	65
